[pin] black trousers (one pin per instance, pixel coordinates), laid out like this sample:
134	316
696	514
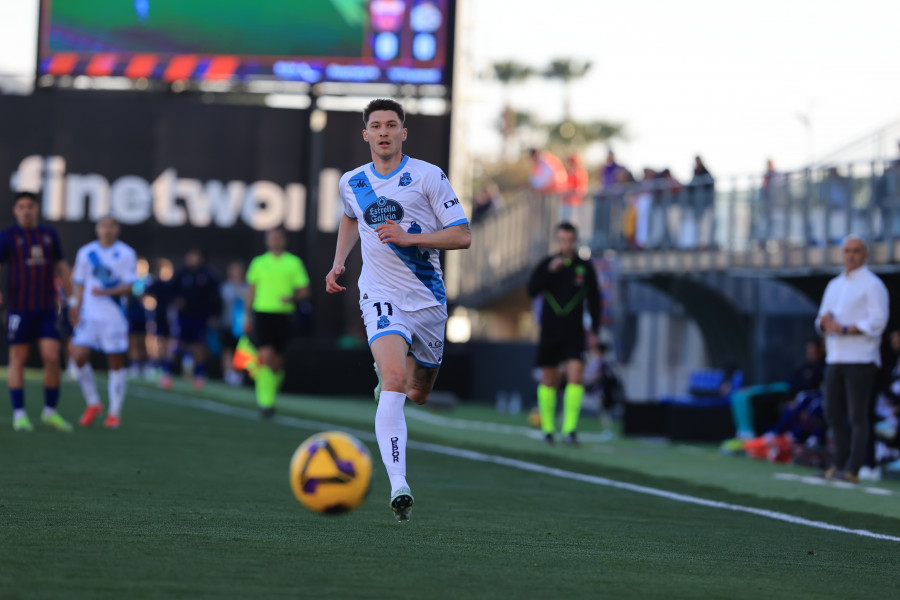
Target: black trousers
848	390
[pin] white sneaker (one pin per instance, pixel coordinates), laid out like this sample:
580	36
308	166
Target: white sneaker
869	473
377	390
401	504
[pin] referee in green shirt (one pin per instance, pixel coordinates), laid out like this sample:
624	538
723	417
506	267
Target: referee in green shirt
277	281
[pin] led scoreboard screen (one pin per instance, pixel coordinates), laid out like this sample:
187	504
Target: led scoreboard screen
360	41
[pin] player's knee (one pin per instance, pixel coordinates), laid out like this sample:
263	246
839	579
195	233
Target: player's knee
420	397
393	379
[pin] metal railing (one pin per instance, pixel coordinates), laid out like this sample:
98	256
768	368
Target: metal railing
782	213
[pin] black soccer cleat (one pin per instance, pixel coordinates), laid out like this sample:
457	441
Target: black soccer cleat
571	439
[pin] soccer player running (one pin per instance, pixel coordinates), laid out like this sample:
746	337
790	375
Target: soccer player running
33	254
565	280
404	212
277	282
104	273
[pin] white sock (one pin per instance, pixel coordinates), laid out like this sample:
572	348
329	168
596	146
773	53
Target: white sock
117	382
18	413
88	385
390	431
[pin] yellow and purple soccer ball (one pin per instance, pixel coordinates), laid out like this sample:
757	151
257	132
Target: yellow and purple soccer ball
331	473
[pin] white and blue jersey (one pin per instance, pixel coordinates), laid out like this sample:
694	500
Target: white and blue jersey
418	197
97	267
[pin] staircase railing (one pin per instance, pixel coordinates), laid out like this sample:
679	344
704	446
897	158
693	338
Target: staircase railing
797	210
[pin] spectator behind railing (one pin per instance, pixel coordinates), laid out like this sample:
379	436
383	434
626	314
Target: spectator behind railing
828	219
572	208
638	205
769	220
701	202
887	196
610	204
548	175
609	173
488	200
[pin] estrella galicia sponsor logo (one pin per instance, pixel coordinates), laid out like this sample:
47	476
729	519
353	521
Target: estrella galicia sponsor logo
395	450
383	322
405	179
382	210
451	203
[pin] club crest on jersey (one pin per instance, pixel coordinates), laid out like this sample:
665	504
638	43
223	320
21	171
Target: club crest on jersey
405	179
382	210
383	322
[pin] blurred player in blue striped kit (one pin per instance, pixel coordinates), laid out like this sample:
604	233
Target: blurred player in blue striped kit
404	212
104	274
33	255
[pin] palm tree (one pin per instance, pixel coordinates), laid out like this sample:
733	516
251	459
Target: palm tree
508	73
572	134
566	70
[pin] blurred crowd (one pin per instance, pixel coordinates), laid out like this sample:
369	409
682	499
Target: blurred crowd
182	318
653	209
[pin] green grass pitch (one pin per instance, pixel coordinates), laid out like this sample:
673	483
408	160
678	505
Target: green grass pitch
190	499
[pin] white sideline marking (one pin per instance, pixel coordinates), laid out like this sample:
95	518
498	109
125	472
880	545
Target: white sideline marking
813	480
423	415
251	415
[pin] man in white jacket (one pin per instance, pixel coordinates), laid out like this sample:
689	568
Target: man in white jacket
853	316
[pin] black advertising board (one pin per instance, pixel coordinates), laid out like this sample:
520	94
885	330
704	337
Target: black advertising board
180	173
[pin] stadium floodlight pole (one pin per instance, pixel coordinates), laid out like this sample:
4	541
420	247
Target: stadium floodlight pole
318	119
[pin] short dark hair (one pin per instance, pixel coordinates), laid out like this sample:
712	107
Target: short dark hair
566	226
30	195
383	104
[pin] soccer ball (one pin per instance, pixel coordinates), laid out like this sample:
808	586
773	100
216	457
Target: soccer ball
331	472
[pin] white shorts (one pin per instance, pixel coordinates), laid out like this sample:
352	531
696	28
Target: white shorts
109	336
422	329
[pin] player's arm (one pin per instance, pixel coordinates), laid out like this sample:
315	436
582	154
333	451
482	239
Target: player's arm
348	235
595	300
248	308
538	280
825	322
76	279
64	272
123	289
75	303
300	294
457	237
300	283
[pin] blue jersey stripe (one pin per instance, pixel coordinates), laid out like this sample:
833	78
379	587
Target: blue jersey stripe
412	256
362	190
455	223
422	268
